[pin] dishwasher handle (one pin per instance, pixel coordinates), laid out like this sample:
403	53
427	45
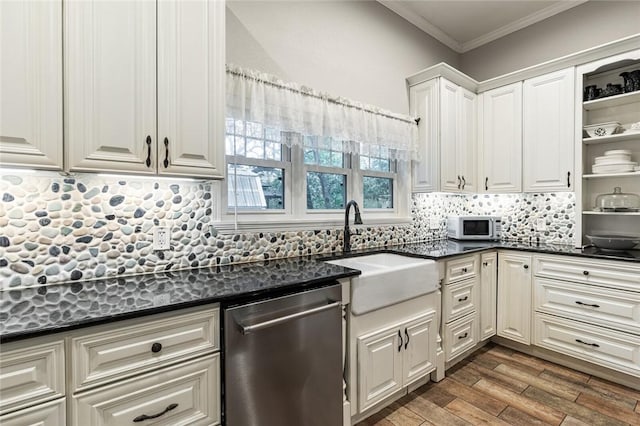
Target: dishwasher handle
247	329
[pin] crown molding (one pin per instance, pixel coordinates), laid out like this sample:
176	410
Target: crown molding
423	24
434	31
519	24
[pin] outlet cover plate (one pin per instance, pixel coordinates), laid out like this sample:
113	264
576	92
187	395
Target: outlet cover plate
161	238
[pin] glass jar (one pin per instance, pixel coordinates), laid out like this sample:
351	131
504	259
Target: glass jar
618	201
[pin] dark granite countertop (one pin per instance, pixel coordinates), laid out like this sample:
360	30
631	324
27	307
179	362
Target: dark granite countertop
449	248
29	312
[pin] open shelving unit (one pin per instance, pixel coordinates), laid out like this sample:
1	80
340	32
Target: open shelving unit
623	108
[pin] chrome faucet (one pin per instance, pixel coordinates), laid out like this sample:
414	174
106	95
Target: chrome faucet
357	221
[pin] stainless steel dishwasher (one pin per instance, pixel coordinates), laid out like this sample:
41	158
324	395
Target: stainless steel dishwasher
283	360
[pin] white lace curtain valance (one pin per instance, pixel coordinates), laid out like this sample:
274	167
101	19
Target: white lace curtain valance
262	98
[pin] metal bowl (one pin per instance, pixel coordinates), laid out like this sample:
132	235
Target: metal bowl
614	242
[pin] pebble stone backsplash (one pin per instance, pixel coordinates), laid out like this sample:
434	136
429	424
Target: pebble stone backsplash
55	229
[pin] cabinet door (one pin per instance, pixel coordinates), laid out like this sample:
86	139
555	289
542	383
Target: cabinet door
467	146
110	85
548	108
424	105
488	290
31	84
379	366
450	175
191	93
184	394
514	297
419	348
502	139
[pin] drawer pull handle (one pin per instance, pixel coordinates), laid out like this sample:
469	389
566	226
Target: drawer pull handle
400	337
462	299
595	345
144	417
156	347
464	182
587	304
406	335
585	272
464	336
459	182
166	154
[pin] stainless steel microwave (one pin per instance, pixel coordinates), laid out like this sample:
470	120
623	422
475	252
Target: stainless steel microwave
474	227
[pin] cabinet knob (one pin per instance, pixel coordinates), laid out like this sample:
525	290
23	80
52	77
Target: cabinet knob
526	266
156	347
585	272
485	263
464	270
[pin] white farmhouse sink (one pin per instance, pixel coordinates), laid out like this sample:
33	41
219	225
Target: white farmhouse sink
388	279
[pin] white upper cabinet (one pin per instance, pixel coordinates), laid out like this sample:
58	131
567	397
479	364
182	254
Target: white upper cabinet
548	108
501	139
110	85
31	84
450	180
458	138
447	137
117	119
424	100
468	140
191	87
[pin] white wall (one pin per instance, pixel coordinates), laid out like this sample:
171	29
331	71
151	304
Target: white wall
582	27
356	49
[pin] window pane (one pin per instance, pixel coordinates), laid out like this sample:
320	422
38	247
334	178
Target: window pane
255	148
326	190
323	152
257	188
378	192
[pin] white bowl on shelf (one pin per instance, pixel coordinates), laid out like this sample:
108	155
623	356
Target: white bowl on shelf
602	129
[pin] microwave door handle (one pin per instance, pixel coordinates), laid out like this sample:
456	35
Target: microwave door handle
491	227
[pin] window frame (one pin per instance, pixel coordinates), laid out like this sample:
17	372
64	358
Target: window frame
295	214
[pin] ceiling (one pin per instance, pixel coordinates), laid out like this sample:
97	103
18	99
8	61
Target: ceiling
464	25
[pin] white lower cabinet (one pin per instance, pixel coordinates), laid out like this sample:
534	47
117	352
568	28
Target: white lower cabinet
514	297
31	372
598	345
488	295
395	357
460	336
51	413
589	309
186	394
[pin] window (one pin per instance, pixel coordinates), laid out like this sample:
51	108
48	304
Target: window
323	173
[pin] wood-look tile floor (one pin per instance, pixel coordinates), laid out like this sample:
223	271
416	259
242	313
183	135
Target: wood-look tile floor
500	386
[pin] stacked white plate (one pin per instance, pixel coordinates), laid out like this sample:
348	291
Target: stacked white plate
615	161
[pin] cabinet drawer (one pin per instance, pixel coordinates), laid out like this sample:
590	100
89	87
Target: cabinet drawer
460	336
186	394
620	275
461	269
31	375
459	299
612	349
113	354
607	307
51	413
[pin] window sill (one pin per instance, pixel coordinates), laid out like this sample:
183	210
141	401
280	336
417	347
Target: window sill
229	227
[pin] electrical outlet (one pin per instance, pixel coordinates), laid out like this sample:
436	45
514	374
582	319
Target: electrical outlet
161	238
162	299
434	223
541	225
